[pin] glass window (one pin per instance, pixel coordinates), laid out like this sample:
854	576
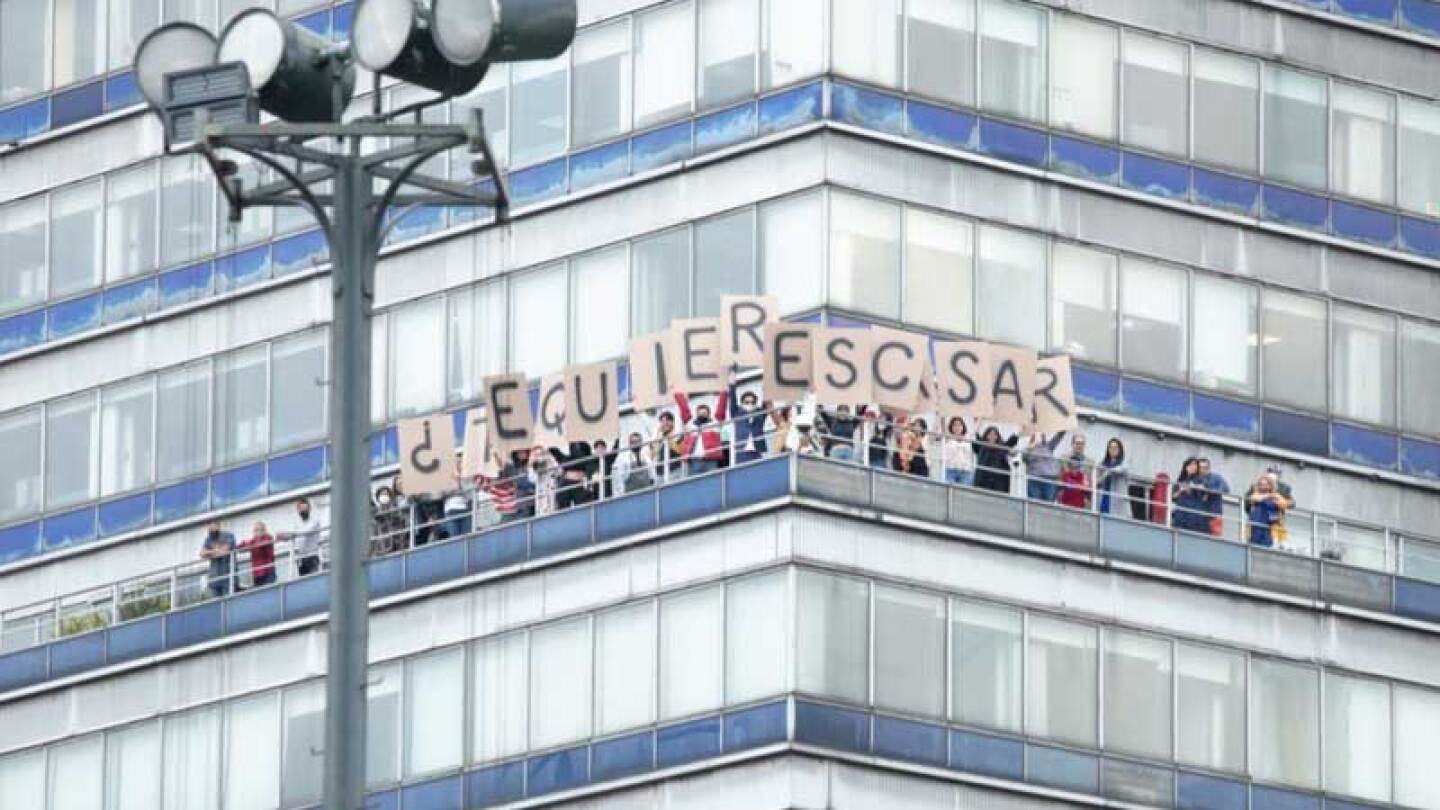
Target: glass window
304	764
1012	287
24	48
500	722
537	110
601	282
625	668
985	659
1082	311
22	243
1224	335
417	342
724	260
129	21
79	40
382	724
791	252
252	753
20	475
792	42
560	683
77	237
1060	675
201	12
241	405
298	390
601	94
664	63
477	338
692	631
1012	59
1420	156
77	773
909	651
1357	737
1417	738
1152	306
1082	76
865	254
757	637
661	290
832	626
1211	703
22	778
1293	341
490	97
537	304
939	271
1363	140
379	367
1420	358
1157	94
461	383
184	400
1285	723
187	210
1363	356
127	436
132	768
1294	126
192	759
434	729
1227	121
728	31
1137	694
867	40
72	439
130	230
940	51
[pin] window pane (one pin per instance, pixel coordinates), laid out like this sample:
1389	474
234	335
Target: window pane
664	63
184	446
1082	314
939	271
724	260
24	48
728	30
1363	353
1363	127
382	725
560	683
792	45
625	668
791	252
865	255
20	475
1211	704
72	439
22	243
661	281
418	346
601	96
252	753
461	384
1294	127
77	237
540	338
297	390
127	436
1012	59
187	210
132	768
1227	123
434	726
1285	723
1060	675
1417	738
867	40
1224	335
491	329
832	625
1294	349
491	98
304	763
129	22
76	774
985	656
1153	319
499	722
1137	694
241	405
379	368
1420	155
692	627
22	778
941	49
1157	93
1082	76
757	637
602	304
192	759
1420	352
909	651
130	222
538	110
1357	737
1012	287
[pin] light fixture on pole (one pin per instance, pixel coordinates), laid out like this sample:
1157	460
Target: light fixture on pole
469	31
397	38
170	49
299	75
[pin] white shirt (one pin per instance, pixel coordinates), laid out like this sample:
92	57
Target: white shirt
309	533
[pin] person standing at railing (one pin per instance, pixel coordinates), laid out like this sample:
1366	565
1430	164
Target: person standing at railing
839	428
1043	482
957	453
909	457
1265	508
634	468
573	469
307	538
701	448
1113	479
219	549
1214	489
1075	476
544	478
749	429
1188	499
992	460
669	447
261	546
387	525
600	486
882	429
780	442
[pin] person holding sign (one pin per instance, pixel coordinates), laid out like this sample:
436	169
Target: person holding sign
992	460
701	448
749	423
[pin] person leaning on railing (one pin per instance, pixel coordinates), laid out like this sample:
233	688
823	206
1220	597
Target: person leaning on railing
261	546
992	460
219	549
1265	507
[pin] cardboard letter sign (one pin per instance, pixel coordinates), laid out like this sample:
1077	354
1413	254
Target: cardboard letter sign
652	360
550	417
478	458
699	342
1054	395
788	355
593	392
1012	382
898	361
508	404
742	329
427	454
963	372
842	366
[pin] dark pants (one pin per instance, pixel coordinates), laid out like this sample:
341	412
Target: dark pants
743	456
309	564
219	586
267	578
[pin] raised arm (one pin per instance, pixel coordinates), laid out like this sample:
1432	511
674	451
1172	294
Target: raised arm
683	403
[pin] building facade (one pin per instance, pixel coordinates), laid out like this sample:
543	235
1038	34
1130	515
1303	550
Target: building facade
1226	211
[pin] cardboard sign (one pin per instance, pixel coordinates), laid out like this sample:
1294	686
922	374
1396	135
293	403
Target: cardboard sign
478	458
593	391
742	329
963	379
653	360
550	413
698	340
897	368
842	366
1012	383
507	402
427	454
1054	399
788	361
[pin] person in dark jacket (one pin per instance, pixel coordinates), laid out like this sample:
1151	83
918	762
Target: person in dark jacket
749	419
576	468
516	472
877	454
992	460
1189	499
605	464
838	429
909	457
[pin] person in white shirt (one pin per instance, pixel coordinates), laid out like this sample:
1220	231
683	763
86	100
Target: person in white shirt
634	469
958	453
308	538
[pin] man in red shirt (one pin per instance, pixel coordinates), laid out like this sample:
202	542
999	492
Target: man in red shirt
262	555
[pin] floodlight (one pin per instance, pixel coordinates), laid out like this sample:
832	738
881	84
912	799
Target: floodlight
396	38
468	31
298	74
170	48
